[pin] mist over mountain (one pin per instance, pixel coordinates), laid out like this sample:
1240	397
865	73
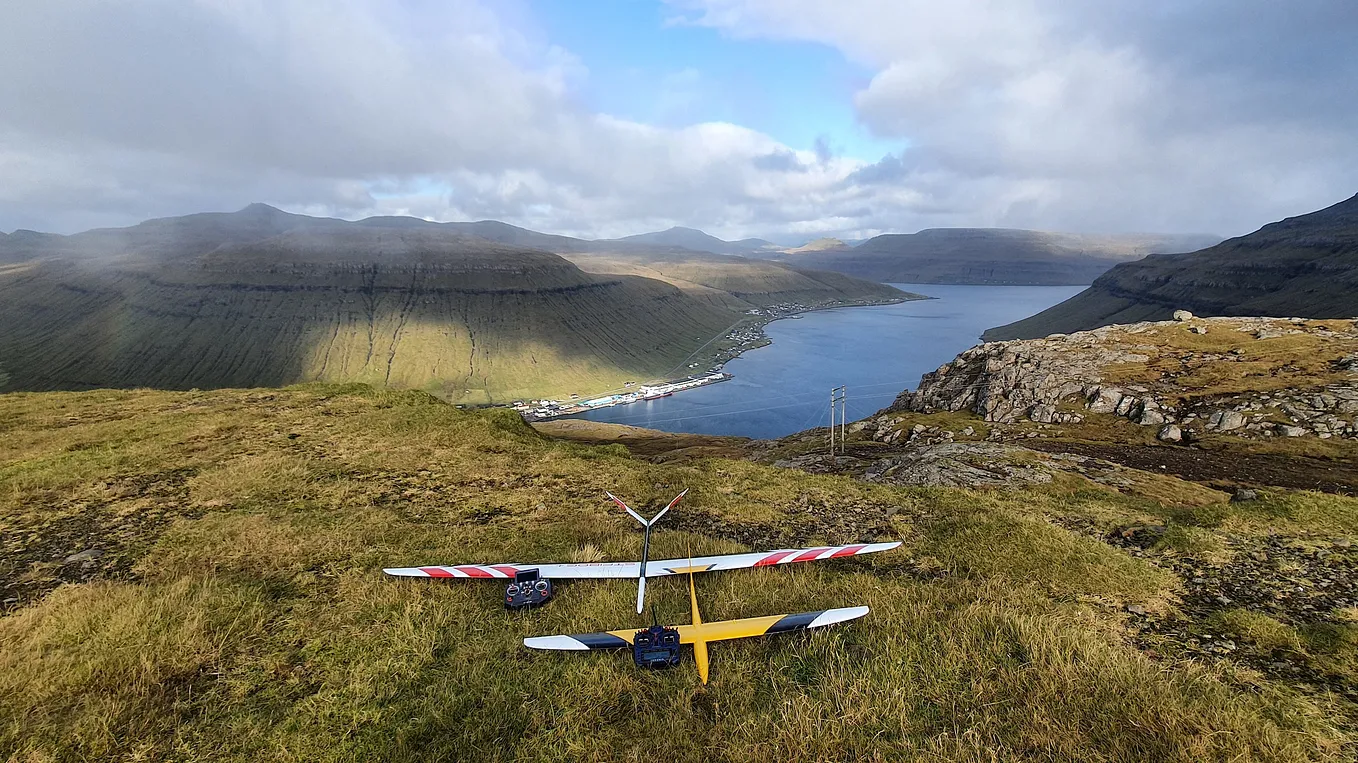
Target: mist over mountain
1301	266
261	297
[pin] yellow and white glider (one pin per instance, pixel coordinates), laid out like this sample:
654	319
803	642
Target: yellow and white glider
700	633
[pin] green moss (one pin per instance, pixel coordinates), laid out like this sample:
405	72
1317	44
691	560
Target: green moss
1190	540
1257	629
1211	515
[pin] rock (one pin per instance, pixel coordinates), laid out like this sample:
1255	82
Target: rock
1105	400
1137	609
1182	315
1042	413
1151	418
1259	556
1199	329
1343	543
1226	421
968	432
1170	433
88	555
1244	494
1125	405
1291	431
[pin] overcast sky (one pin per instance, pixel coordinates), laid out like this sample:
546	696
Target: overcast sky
785	119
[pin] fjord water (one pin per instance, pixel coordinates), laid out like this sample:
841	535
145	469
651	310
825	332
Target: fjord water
875	351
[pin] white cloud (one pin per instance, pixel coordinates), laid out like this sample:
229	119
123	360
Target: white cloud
1026	114
1216	115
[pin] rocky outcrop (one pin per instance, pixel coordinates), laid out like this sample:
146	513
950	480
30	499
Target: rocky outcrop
961	464
1065	377
1008	381
934	459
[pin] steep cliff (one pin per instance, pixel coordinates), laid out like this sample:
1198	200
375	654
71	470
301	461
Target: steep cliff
1302	266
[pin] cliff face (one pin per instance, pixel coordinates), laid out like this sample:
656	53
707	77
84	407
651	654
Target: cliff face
1249	377
1306	266
260	297
474	320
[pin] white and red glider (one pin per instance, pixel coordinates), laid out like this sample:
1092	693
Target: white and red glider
640	570
654	569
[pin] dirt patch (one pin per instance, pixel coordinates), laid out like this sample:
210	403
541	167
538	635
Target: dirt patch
94	541
646	443
1221	469
808	522
1299	582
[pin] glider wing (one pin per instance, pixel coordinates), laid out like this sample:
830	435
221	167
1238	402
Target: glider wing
722	630
762	558
654	569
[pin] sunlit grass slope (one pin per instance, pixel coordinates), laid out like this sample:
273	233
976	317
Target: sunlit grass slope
737	283
464	318
239	611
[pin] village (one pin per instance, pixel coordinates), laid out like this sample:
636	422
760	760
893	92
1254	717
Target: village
542	410
747	335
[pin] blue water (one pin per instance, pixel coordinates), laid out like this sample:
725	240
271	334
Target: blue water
875	351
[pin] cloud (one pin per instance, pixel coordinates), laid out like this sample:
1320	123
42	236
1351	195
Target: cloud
1213	115
781	160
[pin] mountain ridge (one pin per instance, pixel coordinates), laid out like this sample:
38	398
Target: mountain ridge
992	256
262	297
1304	265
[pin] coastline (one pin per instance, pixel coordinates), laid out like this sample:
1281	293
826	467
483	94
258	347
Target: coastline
708	360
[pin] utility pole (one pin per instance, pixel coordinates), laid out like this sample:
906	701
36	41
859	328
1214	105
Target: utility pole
838	396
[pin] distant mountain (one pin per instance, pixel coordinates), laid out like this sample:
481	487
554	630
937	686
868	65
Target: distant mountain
261	297
696	240
229	301
819	245
491	230
1302	266
993	256
738	283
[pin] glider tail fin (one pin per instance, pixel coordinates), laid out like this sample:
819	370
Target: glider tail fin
625	507
646	543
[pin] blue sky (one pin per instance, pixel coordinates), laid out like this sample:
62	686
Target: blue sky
645	67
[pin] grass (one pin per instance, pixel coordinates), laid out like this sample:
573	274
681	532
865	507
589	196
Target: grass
1257	365
252	621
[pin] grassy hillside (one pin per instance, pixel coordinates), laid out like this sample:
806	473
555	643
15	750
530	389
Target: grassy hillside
231	605
471	320
993	256
464	310
1302	266
820	245
737	283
